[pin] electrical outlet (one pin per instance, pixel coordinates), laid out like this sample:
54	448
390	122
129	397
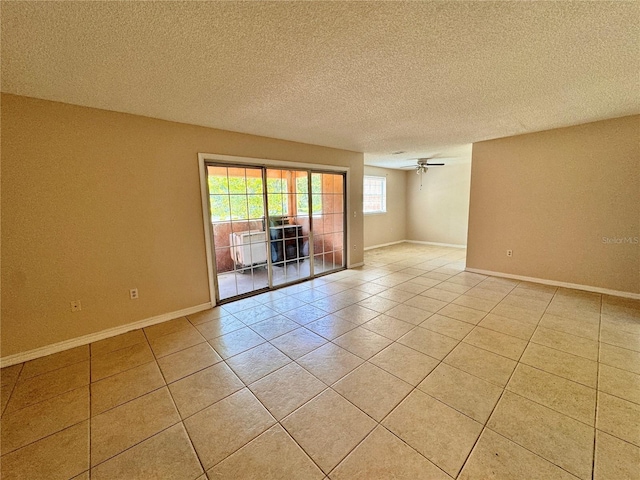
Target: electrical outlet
509	253
133	293
354	247
76	306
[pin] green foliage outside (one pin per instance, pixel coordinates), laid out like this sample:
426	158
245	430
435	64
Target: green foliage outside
316	195
240	198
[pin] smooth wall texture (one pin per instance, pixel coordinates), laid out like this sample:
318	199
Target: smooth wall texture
566	201
382	228
439	211
96	202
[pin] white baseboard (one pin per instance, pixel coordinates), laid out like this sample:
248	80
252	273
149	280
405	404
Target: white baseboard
356	265
383	245
420	242
454	245
554	283
94	337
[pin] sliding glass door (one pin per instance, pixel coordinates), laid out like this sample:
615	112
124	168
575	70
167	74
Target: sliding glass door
289	224
327	194
237	206
273	226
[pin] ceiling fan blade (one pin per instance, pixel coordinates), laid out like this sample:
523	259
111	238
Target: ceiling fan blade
435	164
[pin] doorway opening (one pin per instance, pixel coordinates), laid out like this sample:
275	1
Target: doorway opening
272	227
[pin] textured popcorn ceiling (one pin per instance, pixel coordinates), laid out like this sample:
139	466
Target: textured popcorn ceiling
423	77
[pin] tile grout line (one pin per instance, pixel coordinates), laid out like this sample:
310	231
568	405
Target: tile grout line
19	380
504	389
166	385
154	360
412	448
379	423
134	445
50	398
532	452
279	422
515	442
120	348
15	384
45	399
595	413
90	409
186	431
413	389
91	416
567	333
354	448
559	376
49	435
355	406
175	406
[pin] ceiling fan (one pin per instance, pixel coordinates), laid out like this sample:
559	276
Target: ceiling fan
422	166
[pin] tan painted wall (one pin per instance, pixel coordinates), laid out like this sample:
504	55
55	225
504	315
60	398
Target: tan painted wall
552	196
439	211
381	228
95	203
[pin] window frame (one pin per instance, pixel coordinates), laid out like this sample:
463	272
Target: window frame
383	196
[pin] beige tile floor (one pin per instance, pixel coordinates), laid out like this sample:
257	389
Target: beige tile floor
408	368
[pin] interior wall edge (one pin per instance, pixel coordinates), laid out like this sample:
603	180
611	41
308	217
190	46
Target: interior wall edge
96	336
555	283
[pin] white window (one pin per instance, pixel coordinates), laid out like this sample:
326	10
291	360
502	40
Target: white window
375	194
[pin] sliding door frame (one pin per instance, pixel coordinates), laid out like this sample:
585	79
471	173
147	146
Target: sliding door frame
232	161
310	241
